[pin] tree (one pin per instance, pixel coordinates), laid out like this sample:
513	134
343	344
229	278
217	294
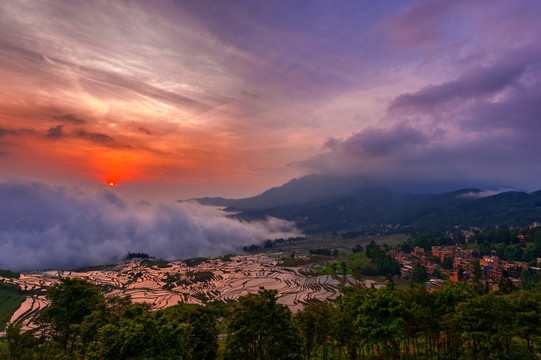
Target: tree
446	299
477	274
527	318
447	263
260	328
460	274
21	345
142	334
381	321
487	326
316	324
202	337
349	307
418	274
72	300
506	285
344	268
407	246
527	280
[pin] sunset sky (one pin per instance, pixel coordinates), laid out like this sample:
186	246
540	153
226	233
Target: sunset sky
178	99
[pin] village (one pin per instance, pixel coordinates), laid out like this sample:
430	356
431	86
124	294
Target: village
460	264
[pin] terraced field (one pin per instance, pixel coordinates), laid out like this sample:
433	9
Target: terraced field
214	279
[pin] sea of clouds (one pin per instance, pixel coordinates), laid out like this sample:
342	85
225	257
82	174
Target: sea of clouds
45	226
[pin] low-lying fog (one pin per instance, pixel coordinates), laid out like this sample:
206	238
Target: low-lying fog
44	226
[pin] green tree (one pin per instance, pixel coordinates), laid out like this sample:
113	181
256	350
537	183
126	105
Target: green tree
505	284
348	334
445	301
317	324
418	274
527	280
527	319
141	334
447	263
487	326
407	246
381	321
72	300
202	337
477	270
260	328
21	345
344	268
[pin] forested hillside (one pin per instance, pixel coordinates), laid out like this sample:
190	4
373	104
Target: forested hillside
433	213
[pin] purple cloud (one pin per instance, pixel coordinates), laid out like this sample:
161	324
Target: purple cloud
474	84
474	120
379	142
481	128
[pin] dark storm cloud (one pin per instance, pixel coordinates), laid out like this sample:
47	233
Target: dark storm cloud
143	130
99	138
16	132
70	118
45	226
55	132
4	132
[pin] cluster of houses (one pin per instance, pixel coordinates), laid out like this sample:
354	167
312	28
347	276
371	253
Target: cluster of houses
459	263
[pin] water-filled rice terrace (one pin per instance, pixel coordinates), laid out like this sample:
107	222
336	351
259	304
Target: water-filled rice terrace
163	284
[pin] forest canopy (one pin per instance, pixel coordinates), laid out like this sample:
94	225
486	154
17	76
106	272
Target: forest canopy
457	321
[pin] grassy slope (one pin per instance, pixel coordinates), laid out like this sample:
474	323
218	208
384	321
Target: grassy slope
10	300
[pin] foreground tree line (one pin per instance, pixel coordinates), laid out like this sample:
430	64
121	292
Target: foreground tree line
457	321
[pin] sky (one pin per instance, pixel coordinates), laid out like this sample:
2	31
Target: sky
210	98
178	99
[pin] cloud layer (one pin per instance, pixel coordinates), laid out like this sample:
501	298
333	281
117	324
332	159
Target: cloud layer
44	226
479	126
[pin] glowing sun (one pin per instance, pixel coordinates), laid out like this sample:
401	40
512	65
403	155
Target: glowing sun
111	180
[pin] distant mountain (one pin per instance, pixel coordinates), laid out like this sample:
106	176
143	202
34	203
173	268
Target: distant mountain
323	203
297	191
343	211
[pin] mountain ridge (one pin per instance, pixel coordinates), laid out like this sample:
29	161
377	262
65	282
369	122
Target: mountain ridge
320	203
